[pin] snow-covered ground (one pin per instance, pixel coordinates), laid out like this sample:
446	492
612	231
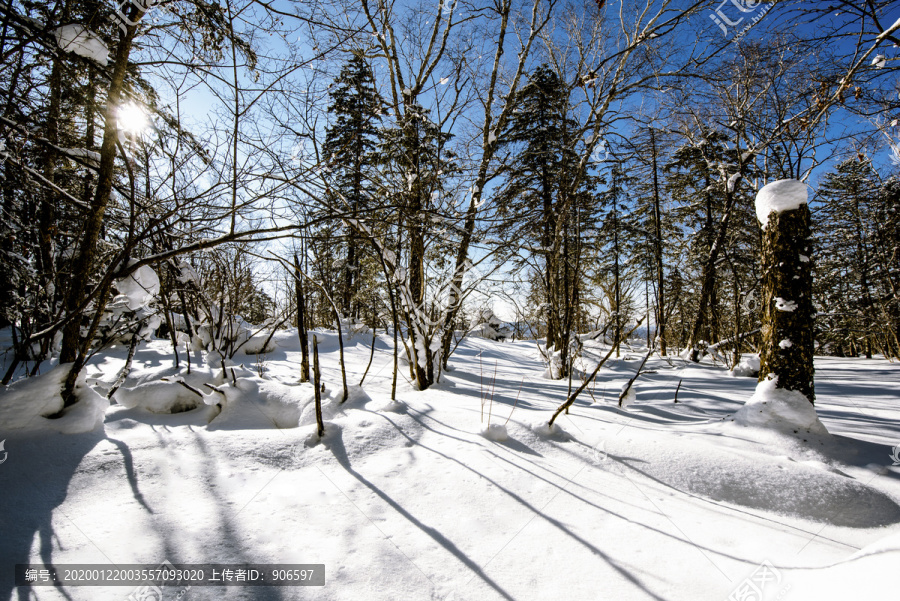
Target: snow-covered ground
422	500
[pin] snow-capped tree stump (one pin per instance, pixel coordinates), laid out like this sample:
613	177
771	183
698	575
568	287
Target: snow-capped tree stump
788	317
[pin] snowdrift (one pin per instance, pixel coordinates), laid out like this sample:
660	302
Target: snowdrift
27	404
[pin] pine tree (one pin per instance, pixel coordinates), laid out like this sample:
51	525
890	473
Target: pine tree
620	243
887	257
538	209
656	238
350	143
846	271
708	206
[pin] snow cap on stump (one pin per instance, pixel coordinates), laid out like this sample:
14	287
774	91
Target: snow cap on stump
783	195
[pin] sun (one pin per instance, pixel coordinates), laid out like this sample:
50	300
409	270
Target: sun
132	118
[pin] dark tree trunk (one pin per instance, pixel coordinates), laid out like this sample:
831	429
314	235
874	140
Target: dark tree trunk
74	346
660	274
301	323
317	391
787	336
708	305
618	295
423	373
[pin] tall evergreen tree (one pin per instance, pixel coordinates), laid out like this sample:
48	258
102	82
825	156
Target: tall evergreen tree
540	213
846	271
621	241
708	206
350	143
656	237
887	259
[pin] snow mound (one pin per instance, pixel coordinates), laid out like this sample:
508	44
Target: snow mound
545	430
26	404
747	367
810	490
257	344
159	397
392	407
496	432
628	397
332	405
778	409
255	403
83	42
328	439
783	195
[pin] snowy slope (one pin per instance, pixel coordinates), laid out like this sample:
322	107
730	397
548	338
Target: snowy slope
661	500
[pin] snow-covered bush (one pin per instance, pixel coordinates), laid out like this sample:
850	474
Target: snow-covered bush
219	331
132	312
489	326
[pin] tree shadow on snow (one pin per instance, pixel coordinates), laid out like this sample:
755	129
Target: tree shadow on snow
337	447
35	479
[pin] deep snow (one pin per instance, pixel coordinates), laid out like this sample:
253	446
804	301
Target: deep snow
424	499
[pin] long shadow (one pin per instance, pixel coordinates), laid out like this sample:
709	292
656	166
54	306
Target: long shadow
499	383
230	537
336	445
725	509
510	443
518	446
565	529
746	494
622	517
35	479
128	461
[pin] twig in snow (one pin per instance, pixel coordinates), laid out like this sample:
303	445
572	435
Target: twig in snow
191	388
516	403
584	385
636	375
211	387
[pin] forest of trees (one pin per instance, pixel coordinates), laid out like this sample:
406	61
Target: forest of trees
402	166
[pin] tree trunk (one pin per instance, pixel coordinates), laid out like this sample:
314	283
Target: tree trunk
707	304
788	319
660	274
74	347
617	291
301	323
423	373
317	390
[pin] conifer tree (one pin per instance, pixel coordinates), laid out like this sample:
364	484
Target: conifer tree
541	214
846	271
887	257
620	242
707	206
350	142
